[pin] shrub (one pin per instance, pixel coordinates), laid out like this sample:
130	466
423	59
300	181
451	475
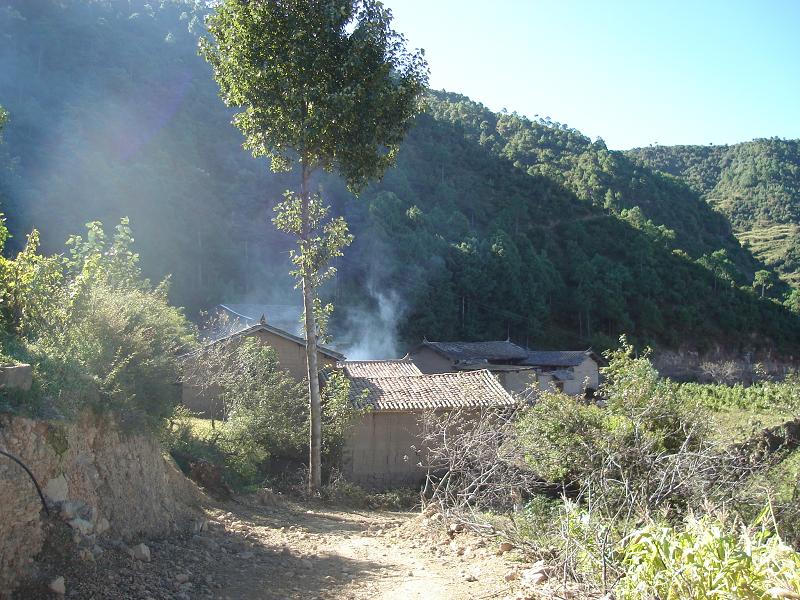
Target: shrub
341	491
266	410
645	450
97	332
707	558
180	437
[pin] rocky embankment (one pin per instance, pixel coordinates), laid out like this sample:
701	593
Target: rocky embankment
105	489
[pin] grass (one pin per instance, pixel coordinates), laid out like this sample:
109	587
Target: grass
784	476
771	244
201	428
739	424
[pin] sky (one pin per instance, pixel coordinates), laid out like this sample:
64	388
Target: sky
634	72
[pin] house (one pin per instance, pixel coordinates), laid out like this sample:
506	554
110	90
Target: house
291	351
380	450
444	357
572	371
518	369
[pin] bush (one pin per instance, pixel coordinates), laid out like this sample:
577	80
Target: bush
706	558
645	450
779	396
341	491
267	424
97	332
266	410
179	435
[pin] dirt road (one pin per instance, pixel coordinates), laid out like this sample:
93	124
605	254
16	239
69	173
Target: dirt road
324	553
249	551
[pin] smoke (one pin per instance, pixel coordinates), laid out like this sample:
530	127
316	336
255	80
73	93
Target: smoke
371	333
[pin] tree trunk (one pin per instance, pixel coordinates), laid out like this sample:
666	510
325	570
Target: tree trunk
315	405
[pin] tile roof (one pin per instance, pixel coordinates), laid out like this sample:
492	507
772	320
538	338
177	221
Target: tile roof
555	358
472	389
476	351
379	368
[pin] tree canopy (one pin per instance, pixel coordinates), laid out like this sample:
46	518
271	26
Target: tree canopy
323	81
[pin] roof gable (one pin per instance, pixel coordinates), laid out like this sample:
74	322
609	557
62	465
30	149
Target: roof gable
283	316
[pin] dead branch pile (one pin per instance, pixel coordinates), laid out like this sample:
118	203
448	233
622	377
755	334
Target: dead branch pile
474	463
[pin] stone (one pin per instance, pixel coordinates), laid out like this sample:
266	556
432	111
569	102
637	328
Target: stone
505	547
102	526
182	577
57	489
86	555
246	555
82	525
141	552
70	510
512	575
57	586
16	377
199	525
97	551
87	513
534	578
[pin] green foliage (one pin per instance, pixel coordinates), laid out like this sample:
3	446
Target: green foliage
267	415
648	456
327	81
96	332
266	429
181	437
755	184
341	491
620	454
326	238
777	396
707	558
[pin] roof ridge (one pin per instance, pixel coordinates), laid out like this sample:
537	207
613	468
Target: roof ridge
378	360
472	373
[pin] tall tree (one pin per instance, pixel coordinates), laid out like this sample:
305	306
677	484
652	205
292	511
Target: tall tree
763	279
327	84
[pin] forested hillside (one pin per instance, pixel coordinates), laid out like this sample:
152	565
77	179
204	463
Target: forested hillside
491	225
756	185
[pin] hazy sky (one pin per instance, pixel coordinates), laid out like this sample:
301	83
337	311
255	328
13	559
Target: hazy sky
634	72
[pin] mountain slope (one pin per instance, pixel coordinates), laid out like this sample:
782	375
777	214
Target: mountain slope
756	185
491	225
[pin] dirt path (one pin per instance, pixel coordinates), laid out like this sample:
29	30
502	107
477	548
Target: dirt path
324	553
250	551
